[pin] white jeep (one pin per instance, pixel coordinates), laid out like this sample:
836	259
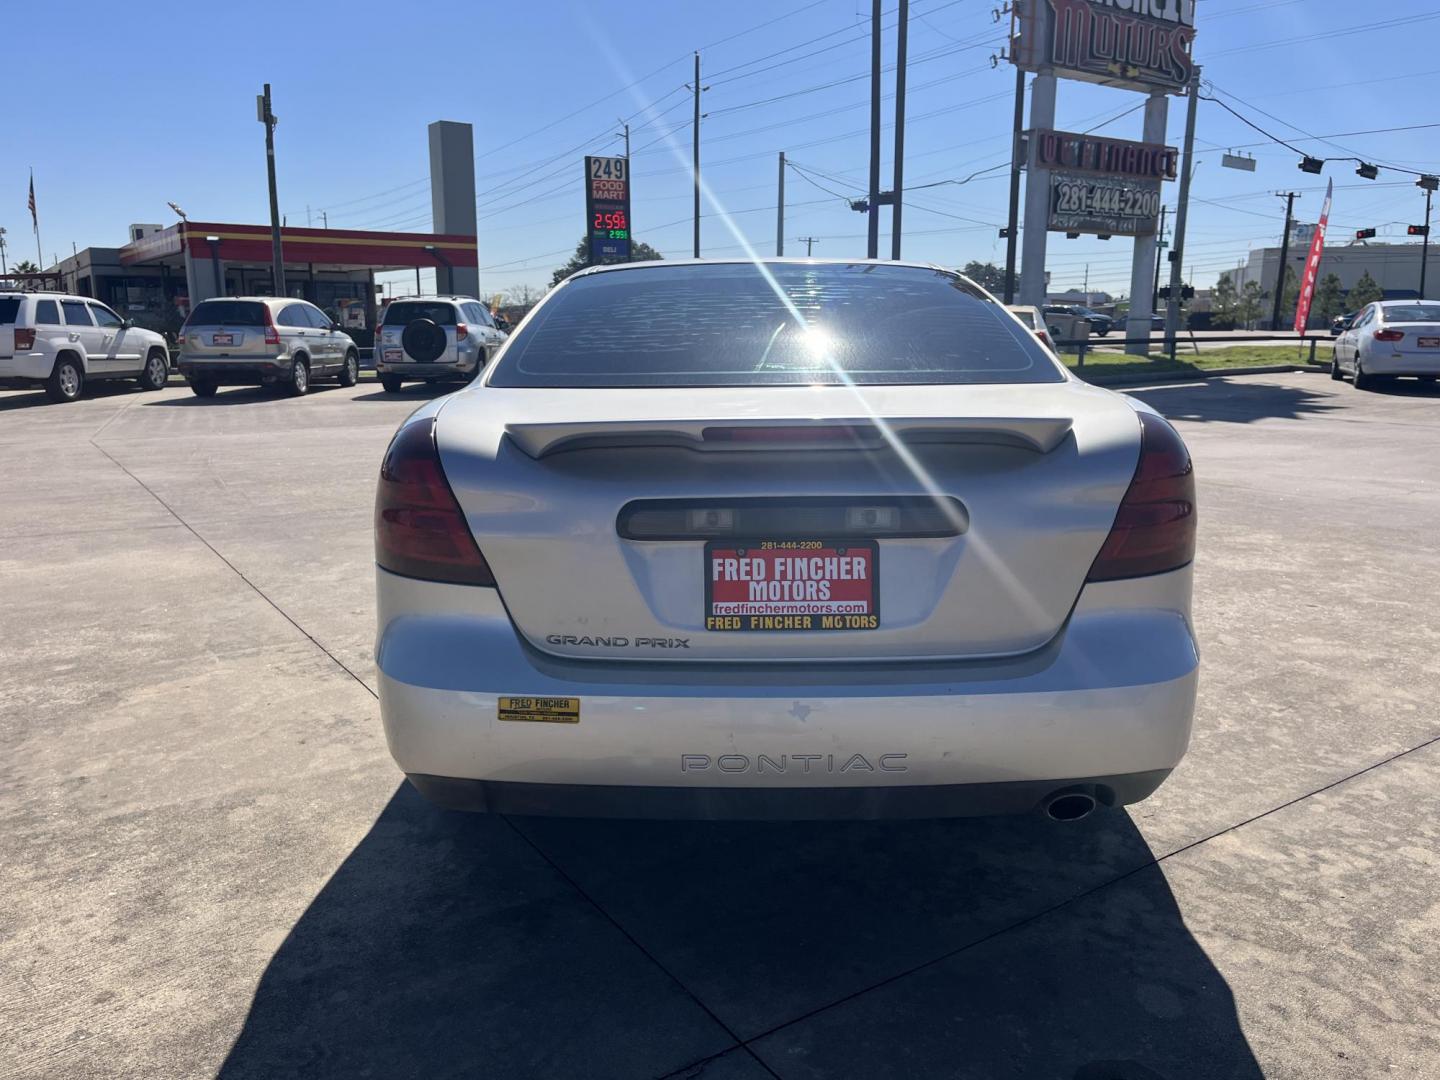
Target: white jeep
62	342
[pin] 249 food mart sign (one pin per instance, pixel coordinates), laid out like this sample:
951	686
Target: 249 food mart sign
1133	44
607	207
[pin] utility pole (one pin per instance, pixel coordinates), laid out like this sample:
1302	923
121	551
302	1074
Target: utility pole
695	153
780	210
267	117
1289	197
1159	247
1424	243
1012	224
809	242
899	163
872	233
4	269
1086	288
1182	213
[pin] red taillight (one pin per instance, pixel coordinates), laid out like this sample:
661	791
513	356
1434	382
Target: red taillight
24	339
180	340
1154	528
272	336
461	331
420	530
1389	335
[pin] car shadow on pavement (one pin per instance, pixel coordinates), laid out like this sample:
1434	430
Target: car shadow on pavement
418	391
26	397
446	945
1237	401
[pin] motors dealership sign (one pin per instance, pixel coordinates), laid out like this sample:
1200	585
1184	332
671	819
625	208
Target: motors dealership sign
1134	44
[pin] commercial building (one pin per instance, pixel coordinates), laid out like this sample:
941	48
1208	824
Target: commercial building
1394	267
162	272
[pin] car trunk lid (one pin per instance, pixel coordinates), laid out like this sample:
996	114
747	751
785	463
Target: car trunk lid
962	518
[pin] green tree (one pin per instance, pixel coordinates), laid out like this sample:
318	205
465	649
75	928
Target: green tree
1289	298
1224	304
988	276
1250	304
1366	291
639	252
1327	302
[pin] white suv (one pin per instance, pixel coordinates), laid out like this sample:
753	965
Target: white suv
433	338
61	342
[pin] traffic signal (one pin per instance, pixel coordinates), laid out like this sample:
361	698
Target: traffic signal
1312	164
1366	171
1364	234
1418	230
1163	292
1187	292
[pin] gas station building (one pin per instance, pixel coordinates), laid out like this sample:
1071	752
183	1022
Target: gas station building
190	261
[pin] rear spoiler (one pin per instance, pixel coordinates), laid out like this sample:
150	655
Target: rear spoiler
1038	433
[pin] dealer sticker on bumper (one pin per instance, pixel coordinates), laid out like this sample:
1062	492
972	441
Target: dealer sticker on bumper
540	710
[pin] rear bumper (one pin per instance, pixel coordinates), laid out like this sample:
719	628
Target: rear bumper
777	804
1108	703
407	370
30	367
247	370
1405	364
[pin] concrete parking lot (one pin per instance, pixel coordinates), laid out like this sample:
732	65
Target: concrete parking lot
209	865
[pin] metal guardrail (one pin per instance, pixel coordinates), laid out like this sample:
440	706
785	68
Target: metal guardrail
1170	345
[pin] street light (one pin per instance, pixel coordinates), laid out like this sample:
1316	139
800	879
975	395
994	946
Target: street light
179	213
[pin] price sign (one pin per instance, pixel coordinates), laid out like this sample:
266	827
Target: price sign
1107	205
607	208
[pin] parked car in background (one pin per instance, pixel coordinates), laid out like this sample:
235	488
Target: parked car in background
1034	320
1389	339
434	338
264	340
788	540
61	342
1100	325
1341	323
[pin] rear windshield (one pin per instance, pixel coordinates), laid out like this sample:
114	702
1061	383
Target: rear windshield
1412	313
739	324
227	313
9	308
407	311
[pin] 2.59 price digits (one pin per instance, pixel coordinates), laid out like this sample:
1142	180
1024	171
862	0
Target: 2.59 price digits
614	220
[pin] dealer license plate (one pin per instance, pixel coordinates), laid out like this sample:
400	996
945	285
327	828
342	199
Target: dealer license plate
1429	342
792	585
222	339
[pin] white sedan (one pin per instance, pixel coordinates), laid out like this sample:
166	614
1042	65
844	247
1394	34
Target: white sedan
1387	339
782	540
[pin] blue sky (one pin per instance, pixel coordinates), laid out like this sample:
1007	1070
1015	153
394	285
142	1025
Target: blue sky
545	82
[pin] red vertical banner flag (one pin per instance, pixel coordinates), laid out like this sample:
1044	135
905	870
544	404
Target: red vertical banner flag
1312	264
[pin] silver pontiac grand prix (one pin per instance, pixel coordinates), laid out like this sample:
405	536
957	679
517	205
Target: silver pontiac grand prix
784	539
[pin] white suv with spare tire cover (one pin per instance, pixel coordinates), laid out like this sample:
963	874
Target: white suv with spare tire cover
61	342
434	338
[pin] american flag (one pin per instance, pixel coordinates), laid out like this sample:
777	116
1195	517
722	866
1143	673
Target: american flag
33	217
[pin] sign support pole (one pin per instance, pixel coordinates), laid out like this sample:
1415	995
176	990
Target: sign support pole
1182	213
1142	263
1037	197
1425	243
899	163
1012	226
872	225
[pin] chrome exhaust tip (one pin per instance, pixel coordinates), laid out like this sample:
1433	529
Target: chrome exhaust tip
1069	805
